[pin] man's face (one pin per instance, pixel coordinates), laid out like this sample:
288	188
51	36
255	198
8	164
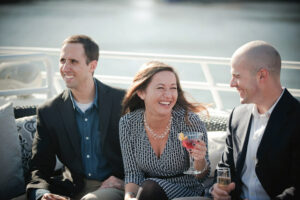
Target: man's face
73	68
244	81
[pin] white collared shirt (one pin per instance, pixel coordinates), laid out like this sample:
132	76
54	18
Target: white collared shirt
252	188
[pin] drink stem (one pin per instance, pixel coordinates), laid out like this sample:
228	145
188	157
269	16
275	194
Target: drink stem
191	162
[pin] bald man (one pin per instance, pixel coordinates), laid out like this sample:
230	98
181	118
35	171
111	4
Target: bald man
263	144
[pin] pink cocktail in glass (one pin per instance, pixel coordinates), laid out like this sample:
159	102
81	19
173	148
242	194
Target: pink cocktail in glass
189	140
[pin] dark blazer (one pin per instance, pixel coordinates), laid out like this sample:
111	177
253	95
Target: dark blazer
57	134
278	154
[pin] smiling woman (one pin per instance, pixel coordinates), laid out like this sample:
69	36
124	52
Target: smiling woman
155	111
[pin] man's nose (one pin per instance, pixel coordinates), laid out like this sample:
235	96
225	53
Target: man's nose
233	82
65	66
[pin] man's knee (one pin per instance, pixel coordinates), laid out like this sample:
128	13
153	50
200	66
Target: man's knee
89	196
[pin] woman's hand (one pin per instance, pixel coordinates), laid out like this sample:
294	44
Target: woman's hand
129	196
131	190
50	196
199	151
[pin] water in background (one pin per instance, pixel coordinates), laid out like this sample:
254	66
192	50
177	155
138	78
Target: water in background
200	28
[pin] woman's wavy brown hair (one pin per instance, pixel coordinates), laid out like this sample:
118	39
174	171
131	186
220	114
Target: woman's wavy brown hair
141	80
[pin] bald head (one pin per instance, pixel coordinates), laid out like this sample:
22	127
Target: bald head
258	55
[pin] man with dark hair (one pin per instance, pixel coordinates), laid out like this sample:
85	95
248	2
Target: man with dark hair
262	149
80	127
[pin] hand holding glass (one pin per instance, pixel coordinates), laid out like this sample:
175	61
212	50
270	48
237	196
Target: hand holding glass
189	140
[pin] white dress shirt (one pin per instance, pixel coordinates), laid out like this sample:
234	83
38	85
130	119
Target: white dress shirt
252	188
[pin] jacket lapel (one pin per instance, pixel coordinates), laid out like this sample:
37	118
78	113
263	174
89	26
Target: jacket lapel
104	103
243	133
278	115
68	116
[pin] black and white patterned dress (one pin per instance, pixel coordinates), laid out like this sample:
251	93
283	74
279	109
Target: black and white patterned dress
141	163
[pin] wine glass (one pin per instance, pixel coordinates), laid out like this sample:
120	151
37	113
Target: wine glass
189	140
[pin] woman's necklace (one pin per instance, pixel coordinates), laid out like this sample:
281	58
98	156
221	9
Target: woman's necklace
155	135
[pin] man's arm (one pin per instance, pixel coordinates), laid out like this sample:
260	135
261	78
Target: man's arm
113	182
43	159
293	192
227	160
35	194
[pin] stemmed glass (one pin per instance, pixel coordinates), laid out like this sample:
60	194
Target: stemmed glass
189	140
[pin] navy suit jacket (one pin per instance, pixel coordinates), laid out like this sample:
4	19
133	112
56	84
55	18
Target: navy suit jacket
57	134
278	155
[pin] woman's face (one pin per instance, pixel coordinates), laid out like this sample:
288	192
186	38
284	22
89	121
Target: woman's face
161	94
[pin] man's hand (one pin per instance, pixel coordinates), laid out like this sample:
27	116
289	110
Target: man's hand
113	182
222	193
49	196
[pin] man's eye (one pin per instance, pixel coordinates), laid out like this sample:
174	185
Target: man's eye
62	61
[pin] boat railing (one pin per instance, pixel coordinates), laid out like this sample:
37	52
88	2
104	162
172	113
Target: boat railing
48	88
209	84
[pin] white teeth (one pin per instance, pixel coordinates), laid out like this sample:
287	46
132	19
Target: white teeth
68	76
165	103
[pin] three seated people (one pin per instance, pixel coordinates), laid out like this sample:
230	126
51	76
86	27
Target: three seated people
115	145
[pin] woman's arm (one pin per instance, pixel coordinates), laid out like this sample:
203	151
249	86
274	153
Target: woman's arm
133	174
130	191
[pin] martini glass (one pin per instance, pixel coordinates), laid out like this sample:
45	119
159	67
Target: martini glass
189	140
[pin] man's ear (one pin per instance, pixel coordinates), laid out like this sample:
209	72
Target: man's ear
93	65
141	94
263	74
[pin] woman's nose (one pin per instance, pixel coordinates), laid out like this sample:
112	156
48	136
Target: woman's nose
168	93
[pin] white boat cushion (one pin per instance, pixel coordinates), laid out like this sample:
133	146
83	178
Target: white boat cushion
11	173
216	145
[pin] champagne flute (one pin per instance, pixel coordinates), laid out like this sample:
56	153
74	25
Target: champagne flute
189	140
223	178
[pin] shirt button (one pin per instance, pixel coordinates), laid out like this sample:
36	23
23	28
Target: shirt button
88	156
89	174
87	138
86	119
